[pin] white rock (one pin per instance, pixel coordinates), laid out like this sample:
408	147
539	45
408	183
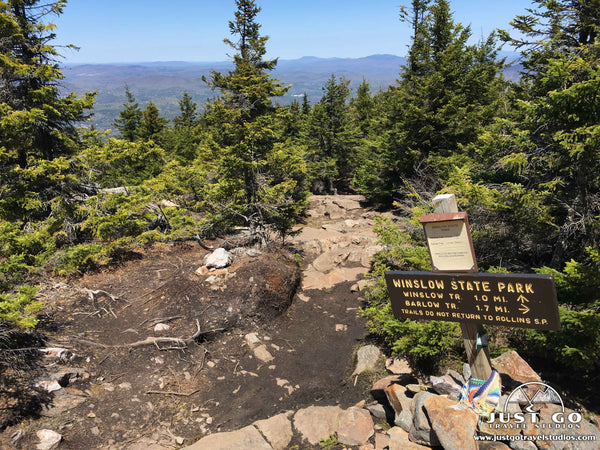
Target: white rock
49	385
160	327
48	439
168	204
252	339
212	280
218	259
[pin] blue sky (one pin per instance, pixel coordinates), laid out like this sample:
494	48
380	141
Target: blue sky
193	30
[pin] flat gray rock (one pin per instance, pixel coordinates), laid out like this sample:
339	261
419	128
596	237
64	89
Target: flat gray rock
366	358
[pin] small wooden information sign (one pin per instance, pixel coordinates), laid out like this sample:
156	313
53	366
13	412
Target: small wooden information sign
516	300
449	241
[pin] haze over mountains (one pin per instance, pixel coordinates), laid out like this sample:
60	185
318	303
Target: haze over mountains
165	82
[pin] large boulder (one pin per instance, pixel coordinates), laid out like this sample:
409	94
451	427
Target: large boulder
454	427
355	426
514	370
421	431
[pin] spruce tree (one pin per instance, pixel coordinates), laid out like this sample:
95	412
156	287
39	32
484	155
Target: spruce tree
188	115
363	108
38	126
152	124
334	136
130	117
559	114
259	184
448	91
186	134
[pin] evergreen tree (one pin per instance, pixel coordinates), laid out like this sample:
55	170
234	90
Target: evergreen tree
188	116
38	140
38	126
184	137
260	184
363	108
333	137
306	108
152	124
129	121
448	92
559	110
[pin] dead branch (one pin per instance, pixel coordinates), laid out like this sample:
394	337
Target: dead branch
161	319
116	377
172	343
180	343
182	394
151	291
93	294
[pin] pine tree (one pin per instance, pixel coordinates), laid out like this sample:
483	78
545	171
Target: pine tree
130	117
260	184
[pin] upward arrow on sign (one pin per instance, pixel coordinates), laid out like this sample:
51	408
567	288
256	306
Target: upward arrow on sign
522	299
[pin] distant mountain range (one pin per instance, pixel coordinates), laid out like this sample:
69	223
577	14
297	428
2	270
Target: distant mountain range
165	82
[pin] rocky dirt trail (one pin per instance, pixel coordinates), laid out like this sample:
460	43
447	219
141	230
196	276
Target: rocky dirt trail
161	351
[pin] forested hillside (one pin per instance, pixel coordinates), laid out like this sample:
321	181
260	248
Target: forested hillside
163	82
522	157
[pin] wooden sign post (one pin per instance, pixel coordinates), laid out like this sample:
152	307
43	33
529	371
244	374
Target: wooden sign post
456	292
474	334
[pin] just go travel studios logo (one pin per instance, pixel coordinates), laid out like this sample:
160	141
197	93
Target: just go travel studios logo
522	410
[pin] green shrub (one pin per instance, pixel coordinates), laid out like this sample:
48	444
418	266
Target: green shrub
22	249
16	309
426	345
578	283
576	346
80	258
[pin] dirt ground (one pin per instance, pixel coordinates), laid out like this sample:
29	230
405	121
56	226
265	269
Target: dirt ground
124	386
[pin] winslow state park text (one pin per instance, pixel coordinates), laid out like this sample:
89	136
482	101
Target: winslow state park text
515	300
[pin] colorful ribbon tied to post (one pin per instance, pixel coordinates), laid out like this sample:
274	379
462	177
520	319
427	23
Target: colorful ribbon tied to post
482	396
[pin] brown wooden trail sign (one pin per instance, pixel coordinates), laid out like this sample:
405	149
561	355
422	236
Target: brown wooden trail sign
454	294
514	300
